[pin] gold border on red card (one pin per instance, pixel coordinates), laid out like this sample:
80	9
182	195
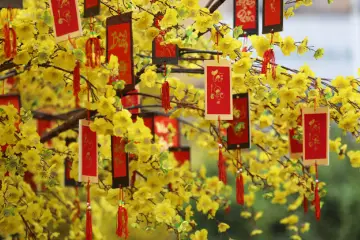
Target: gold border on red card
84	178
221	63
320	110
74	34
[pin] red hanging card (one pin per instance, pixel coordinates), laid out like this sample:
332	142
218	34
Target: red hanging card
68	180
131	101
88	153
120	163
161	53
91	8
67	22
296	146
119	42
246	14
316	136
218	90
273	17
239	131
181	154
162	130
11	4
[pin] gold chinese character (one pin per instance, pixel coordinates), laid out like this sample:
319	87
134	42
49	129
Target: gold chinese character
119	40
122	67
245	15
215	89
314	134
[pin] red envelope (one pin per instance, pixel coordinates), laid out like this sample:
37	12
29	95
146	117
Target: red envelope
296	147
67	22
238	134
130	101
273	16
316	136
162	131
161	53
91	8
120	163
88	153
246	15
181	154
119	42
218	90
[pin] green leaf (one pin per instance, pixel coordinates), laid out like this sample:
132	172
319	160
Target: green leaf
48	19
238	31
239	126
119	85
330	1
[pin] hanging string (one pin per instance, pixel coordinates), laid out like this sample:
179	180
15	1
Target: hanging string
239	179
221	160
217	44
88	214
165	92
317	197
305	200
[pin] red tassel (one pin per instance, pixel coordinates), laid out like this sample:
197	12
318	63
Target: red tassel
88	215
76	83
92	45
11	81
222	167
305	204
240	189
317	201
9	41
269	57
122	219
165	96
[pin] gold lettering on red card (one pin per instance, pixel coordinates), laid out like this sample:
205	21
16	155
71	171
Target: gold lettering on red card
316	136
246	15
218	91
119	157
67	23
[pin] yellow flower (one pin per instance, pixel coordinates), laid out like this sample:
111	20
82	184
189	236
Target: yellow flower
289	12
287	95
258	215
105	106
305	227
340	82
265	121
53	76
228	44
303	48
288	46
202	23
149	78
164	212
295	237
222	227
170	18
204	204
279	197
242	65
155	183
260	43
292	219
151	33
354	158
245	214
144	20
256	232
200	235
22	57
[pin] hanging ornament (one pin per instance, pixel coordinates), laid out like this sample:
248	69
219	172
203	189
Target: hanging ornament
239	180
273	16
122	217
120	163
10	45
269	58
221	160
246	16
91	8
93	50
165	92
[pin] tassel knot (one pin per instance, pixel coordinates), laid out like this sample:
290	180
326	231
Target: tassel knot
222	166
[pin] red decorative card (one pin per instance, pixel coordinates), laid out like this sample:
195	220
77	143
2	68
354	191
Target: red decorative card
218	90
181	154
68	181
273	16
120	163
168	135
296	146
161	53
316	126
88	153
129	101
246	15
91	8
67	22
9	99
119	42
238	133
